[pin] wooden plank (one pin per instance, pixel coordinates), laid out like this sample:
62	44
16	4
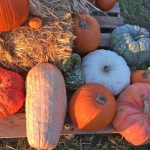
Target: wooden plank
108	22
15	127
74	131
105	38
114	10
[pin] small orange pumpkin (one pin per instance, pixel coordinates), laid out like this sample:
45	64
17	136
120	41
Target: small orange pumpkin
35	23
13	13
140	76
92	107
105	4
87	32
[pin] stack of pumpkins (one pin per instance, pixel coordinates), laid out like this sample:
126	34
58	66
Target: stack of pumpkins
101	77
109	73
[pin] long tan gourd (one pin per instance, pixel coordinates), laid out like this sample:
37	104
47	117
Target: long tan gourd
46	103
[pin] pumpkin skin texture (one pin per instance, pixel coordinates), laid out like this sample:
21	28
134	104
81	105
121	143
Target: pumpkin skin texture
105	4
132	43
133	114
92	107
140	76
12	93
46	104
35	23
107	68
13	14
87	32
72	73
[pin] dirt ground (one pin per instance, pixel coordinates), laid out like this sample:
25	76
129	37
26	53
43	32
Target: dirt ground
134	12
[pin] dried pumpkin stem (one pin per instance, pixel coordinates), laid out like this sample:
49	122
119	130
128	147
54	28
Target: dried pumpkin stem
146	73
83	25
107	69
146	105
100	99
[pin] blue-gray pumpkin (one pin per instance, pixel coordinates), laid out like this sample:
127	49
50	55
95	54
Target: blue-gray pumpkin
133	43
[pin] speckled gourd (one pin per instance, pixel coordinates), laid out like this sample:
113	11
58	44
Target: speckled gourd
72	72
132	43
45	106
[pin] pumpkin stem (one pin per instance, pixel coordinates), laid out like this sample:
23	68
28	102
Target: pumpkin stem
146	73
83	25
146	105
107	69
100	99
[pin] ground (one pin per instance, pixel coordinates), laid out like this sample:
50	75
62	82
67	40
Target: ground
134	12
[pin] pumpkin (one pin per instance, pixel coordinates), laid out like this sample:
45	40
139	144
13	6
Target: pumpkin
92	107
13	14
12	93
72	72
133	114
45	106
132	43
35	23
105	4
107	68
87	32
140	76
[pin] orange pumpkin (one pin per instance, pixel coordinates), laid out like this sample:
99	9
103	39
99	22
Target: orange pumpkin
105	4
87	32
92	107
133	114
35	23
13	14
12	92
140	76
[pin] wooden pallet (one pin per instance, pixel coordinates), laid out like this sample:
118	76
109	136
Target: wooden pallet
15	125
107	23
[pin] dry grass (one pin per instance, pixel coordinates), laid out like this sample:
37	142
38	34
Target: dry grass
136	12
23	48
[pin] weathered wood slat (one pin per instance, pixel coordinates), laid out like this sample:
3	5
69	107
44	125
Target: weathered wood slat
114	10
106	130
15	126
107	22
105	37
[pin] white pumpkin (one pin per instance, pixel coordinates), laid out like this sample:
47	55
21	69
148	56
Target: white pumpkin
107	68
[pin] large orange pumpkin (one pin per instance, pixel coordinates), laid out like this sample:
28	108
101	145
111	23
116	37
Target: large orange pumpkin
13	14
105	4
87	32
12	93
140	76
92	107
133	114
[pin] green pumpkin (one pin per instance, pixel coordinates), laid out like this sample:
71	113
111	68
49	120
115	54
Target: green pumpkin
132	43
71	69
